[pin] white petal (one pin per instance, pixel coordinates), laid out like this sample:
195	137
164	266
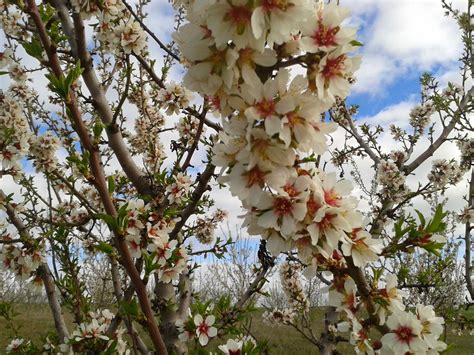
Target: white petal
273	125
258	22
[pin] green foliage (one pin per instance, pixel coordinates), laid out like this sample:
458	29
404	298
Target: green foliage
62	84
7	312
408	233
33	48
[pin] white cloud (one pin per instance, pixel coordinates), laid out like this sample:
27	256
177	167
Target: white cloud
401	36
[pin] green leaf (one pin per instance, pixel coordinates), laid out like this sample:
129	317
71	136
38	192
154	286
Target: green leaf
421	218
110	220
73	75
434	248
356	43
33	48
111	184
105	248
129	308
437	225
97	129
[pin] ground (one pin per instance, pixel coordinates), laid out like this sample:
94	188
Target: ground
36	322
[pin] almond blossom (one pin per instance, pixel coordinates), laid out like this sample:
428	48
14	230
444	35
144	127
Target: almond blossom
404	336
362	247
232	347
204	329
334	74
276	19
324	31
283	212
230	21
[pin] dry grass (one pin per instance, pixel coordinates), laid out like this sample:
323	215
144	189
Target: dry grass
35	322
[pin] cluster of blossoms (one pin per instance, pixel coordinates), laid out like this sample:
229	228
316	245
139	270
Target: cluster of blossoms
115	30
146	138
416	332
274	124
204	227
92	336
289	277
467	152
11	21
467	215
282	316
70	212
174	97
391	179
18	346
147	233
22	261
199	327
14	135
179	189
420	116
187	128
444	172
44	148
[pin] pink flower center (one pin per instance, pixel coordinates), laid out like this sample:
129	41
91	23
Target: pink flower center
203	328
332	198
313	206
291	190
239	16
255	176
334	67
215	102
245	56
404	334
7	155
265	108
282	206
326	221
325	36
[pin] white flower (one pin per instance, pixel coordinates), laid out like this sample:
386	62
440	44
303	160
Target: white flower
404	336
248	184
333	77
362	247
204	329
432	325
286	208
130	37
230	21
324	32
5	58
390	295
276	19
345	299
330	224
14	345
178	190
232	347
